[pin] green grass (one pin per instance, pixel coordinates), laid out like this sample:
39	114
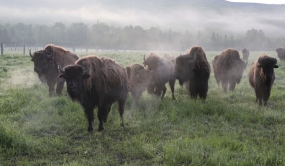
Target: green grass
228	129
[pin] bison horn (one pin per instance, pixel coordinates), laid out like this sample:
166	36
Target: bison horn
194	59
60	70
144	57
30	53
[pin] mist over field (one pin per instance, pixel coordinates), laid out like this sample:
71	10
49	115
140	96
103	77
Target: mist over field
181	15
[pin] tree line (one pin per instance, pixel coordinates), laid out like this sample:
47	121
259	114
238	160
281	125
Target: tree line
103	36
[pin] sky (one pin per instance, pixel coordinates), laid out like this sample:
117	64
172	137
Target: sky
177	15
261	1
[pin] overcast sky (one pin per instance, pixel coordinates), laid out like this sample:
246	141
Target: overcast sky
261	1
176	18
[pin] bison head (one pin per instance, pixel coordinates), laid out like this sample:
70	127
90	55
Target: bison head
267	64
152	61
43	61
74	76
184	67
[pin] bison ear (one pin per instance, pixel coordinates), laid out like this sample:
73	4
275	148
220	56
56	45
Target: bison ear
276	66
61	76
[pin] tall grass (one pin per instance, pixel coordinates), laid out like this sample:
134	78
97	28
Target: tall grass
226	129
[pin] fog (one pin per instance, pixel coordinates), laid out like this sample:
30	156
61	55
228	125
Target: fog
216	15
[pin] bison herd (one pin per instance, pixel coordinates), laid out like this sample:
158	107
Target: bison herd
99	82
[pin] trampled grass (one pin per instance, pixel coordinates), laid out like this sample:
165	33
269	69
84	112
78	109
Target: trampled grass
226	129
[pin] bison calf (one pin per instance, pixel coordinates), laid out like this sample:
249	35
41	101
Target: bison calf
95	81
261	77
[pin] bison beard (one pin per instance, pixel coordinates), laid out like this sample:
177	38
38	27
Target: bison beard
46	65
261	77
194	69
228	69
95	81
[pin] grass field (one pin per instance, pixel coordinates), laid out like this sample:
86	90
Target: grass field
228	129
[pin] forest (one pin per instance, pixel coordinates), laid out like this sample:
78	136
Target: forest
103	36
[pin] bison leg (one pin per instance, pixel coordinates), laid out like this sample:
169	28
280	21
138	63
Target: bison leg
232	85
51	88
121	110
102	113
163	92
171	85
266	97
107	113
225	85
258	95
59	86
89	112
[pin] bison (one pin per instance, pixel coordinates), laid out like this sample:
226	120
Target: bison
97	81
245	54
161	72
194	69
228	68
281	53
261	77
46	64
138	78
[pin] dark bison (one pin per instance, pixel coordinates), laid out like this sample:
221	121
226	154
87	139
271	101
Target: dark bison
245	54
194	69
95	81
138	78
161	72
46	64
281	53
261	77
228	68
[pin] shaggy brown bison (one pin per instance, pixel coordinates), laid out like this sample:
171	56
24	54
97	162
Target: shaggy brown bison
46	64
281	53
161	72
95	81
138	78
228	68
194	69
245	54
261	77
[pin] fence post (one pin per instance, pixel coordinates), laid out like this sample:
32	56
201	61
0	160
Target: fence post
24	49
2	48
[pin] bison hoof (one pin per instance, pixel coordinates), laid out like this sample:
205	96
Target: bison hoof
90	130
100	129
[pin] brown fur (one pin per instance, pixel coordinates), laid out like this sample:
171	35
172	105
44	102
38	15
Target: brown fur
261	77
196	74
228	68
161	72
48	66
138	78
97	81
